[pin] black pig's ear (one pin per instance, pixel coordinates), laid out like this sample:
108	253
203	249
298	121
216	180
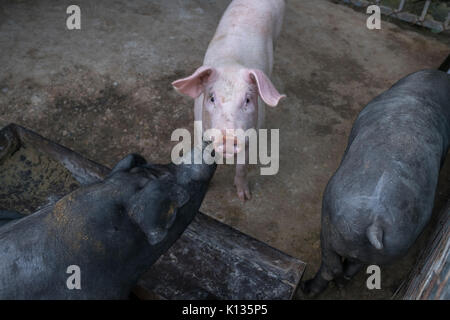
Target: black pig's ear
178	198
154	208
130	161
178	195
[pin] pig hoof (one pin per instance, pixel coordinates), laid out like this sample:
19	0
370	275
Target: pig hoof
341	282
243	190
305	286
310	289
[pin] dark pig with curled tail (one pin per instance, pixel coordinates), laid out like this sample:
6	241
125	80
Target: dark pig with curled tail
381	197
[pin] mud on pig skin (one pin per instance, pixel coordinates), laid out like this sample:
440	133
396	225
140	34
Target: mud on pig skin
381	197
113	230
231	86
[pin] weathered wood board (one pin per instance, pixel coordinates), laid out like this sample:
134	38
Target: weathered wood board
246	268
210	260
430	277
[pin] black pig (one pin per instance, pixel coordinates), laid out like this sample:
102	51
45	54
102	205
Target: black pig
113	231
381	197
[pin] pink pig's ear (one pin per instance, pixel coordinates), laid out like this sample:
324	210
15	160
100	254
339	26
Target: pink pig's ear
266	90
193	85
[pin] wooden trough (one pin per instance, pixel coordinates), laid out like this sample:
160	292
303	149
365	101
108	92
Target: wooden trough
210	261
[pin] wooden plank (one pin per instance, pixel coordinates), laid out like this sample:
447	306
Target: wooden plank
209	253
430	277
210	260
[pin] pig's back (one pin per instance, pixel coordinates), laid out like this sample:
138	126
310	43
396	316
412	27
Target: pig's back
245	34
391	166
25	256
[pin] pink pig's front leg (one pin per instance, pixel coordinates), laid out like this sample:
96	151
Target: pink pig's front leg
241	182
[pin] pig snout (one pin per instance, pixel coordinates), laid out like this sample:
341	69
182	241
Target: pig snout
228	145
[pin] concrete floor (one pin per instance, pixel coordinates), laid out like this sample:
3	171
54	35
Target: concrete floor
104	91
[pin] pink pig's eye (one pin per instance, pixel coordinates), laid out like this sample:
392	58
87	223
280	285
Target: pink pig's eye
247	101
212	99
